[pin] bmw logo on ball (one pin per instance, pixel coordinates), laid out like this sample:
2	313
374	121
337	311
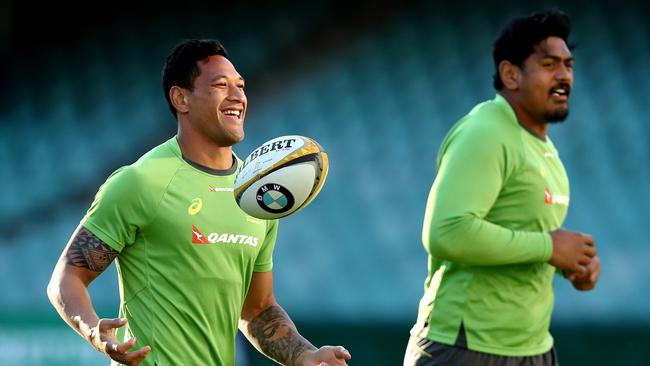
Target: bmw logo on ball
274	198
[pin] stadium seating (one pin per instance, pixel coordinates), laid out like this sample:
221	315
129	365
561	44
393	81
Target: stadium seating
380	106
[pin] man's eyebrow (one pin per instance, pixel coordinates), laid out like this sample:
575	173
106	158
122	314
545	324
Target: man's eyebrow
217	77
557	58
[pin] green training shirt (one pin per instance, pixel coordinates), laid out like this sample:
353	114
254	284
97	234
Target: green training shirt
187	254
498	193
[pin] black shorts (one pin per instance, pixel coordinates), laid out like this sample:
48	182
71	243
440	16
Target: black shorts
425	352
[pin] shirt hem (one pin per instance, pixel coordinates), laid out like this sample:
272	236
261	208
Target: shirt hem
101	234
264	268
491	349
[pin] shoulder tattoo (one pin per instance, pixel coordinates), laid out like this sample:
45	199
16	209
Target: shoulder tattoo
88	251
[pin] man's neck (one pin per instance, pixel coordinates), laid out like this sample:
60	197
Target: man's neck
535	126
201	150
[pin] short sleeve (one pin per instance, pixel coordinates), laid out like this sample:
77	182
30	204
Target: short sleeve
117	212
264	261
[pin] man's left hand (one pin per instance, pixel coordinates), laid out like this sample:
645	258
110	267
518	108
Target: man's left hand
326	356
588	280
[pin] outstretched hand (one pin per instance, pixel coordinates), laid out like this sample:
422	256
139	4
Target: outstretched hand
103	339
326	356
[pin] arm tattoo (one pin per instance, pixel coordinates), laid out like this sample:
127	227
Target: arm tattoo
88	251
277	336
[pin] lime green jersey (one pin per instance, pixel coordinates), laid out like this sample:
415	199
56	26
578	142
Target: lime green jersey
498	193
187	255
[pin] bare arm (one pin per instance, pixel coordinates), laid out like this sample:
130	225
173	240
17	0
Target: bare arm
269	328
84	258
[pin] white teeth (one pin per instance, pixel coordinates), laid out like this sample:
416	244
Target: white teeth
232	112
559	91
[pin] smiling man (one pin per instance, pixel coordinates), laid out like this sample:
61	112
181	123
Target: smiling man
192	266
492	226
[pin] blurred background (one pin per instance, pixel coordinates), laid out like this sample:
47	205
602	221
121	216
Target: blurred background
378	84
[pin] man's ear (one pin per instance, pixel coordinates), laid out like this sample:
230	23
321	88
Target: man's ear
178	97
510	75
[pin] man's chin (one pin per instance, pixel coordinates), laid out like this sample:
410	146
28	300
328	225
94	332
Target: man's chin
235	138
558	115
229	139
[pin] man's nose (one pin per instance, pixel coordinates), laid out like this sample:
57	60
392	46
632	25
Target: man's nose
564	74
236	93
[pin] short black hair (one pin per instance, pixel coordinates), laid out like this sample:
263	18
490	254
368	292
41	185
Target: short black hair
181	66
518	38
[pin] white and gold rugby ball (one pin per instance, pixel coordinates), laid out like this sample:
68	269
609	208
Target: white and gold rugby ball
281	177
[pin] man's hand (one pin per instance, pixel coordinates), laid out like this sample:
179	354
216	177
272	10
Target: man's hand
587	281
103	339
572	251
325	356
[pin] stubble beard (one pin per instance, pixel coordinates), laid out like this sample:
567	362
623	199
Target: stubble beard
557	116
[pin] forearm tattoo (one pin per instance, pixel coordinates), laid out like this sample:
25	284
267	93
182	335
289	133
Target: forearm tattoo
88	251
277	336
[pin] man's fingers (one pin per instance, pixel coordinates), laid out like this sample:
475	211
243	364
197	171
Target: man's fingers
107	324
595	263
595	269
584	260
594	277
590	250
580	270
132	358
342	353
588	239
123	347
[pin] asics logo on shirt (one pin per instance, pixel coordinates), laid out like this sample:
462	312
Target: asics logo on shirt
195	206
223	238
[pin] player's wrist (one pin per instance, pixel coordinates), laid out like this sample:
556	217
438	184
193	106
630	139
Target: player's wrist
94	339
87	328
94	336
305	355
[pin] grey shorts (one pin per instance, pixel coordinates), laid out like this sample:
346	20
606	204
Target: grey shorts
425	352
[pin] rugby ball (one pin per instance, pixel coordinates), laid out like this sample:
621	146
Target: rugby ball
281	177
